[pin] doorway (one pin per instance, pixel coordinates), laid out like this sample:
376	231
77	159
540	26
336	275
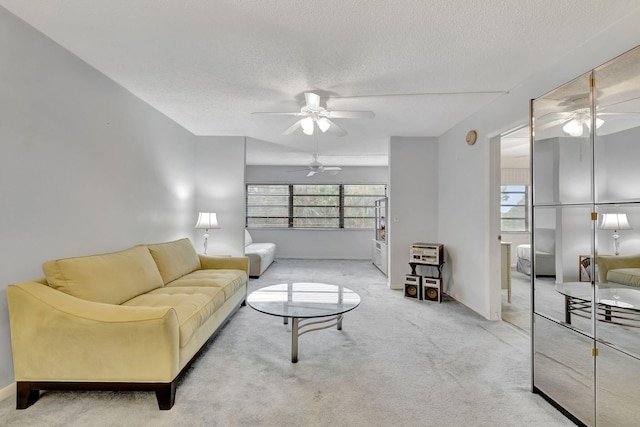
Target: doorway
515	226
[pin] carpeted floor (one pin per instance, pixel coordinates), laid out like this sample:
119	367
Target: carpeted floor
518	311
397	362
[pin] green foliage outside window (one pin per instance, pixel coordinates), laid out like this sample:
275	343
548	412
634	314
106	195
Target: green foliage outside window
312	205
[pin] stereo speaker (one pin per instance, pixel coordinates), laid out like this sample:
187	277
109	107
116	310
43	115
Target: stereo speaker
412	286
431	289
431	294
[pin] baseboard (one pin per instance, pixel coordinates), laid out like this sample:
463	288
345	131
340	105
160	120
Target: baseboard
472	306
8	391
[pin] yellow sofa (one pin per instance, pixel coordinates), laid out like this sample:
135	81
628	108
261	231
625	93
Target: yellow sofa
624	270
128	320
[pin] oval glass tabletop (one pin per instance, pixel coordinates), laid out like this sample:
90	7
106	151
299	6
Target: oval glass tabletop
610	294
303	300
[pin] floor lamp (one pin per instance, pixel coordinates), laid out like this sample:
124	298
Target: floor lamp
207	220
615	222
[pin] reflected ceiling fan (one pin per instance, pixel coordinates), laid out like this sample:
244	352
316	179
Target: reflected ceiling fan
574	123
316	167
314	115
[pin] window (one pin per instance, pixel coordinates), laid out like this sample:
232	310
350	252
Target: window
514	208
312	206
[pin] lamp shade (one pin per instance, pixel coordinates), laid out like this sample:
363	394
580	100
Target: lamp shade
207	220
615	221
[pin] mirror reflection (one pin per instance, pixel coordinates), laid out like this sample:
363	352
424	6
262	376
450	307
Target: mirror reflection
618	276
562	144
556	348
586	146
562	240
617	136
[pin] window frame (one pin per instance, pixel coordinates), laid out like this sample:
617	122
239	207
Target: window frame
341	207
527	203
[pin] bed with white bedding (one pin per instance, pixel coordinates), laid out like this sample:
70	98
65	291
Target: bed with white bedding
545	254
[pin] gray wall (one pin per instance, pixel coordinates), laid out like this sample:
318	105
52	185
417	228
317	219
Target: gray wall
220	189
413	201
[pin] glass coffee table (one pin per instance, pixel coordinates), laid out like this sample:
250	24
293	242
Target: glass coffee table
617	303
303	302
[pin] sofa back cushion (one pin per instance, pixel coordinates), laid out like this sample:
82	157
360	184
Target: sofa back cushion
109	278
175	259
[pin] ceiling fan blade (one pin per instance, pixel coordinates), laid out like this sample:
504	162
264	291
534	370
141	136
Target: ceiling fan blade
312	100
275	113
333	170
550	124
335	129
630	113
350	114
293	127
311	173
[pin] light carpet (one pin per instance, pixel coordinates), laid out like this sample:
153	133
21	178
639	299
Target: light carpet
518	311
397	362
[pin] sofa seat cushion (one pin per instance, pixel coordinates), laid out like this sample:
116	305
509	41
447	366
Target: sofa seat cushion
625	276
175	259
193	305
227	280
109	278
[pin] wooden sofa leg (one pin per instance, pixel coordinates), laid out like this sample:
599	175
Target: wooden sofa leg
243	303
25	396
166	395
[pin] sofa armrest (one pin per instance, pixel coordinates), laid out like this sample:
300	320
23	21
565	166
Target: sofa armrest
221	262
58	337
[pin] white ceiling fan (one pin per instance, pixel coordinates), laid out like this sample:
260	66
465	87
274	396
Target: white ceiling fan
316	167
578	119
314	115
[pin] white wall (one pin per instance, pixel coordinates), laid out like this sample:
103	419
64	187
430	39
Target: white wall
220	189
413	201
317	244
85	167
467	173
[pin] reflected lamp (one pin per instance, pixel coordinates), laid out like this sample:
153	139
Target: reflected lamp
615	222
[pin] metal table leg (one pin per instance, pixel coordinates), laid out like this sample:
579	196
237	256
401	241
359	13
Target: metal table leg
298	329
294	340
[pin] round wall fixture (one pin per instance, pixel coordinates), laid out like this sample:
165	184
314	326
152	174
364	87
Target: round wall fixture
472	136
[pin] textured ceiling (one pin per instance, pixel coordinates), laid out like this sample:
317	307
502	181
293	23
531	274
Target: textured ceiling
421	66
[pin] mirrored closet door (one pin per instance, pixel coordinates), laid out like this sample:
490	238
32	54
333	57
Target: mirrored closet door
586	232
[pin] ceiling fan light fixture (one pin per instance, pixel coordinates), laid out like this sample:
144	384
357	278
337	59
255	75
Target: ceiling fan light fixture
323	124
599	122
307	126
573	127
